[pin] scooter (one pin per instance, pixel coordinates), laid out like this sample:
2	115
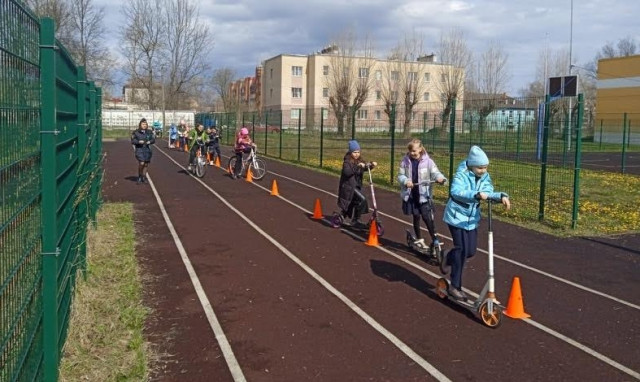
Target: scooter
486	306
337	219
432	251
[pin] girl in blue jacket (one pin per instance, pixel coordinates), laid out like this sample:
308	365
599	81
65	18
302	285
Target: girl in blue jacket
469	186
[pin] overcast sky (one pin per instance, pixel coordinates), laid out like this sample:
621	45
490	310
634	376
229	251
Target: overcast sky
246	32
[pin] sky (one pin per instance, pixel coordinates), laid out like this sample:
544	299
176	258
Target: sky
246	32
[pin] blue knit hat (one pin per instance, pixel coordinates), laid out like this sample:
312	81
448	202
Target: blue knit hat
477	157
354	146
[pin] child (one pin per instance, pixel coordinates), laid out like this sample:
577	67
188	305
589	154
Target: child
351	200
142	139
470	185
173	135
242	145
213	146
416	169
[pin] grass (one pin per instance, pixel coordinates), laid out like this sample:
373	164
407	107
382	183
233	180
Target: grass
105	341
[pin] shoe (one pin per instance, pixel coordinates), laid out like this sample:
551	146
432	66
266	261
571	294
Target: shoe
234	176
144	179
458	294
210	163
139	181
442	263
189	168
419	244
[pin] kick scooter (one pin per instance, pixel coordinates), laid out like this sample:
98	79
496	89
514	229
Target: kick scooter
432	251
486	306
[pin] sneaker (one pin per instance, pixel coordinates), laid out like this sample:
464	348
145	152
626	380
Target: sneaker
420	244
458	294
144	179
189	168
139	180
442	263
210	163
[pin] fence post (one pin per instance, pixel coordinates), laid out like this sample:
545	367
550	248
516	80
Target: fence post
452	132
321	133
353	122
518	137
266	126
624	143
577	164
392	130
424	129
299	131
84	163
543	168
280	137
600	145
48	175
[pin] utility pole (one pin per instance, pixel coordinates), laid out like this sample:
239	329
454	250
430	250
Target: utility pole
163	105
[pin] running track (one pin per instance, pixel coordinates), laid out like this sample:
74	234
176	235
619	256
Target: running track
246	286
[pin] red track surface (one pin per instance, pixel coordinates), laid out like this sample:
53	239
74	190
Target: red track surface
284	325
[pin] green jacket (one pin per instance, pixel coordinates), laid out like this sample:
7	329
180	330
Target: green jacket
194	135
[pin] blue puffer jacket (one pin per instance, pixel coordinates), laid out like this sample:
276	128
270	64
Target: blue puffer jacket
463	209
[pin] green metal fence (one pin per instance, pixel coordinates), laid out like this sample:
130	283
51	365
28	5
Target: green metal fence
50	176
535	145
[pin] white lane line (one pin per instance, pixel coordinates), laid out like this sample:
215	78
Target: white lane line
591	352
415	357
514	262
225	347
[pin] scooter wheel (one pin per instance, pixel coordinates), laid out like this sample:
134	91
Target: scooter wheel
379	228
336	221
491	319
442	287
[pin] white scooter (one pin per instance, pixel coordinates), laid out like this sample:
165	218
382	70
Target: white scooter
486	306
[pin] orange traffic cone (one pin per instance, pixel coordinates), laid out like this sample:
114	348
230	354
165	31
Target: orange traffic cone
515	307
317	210
217	161
373	235
274	188
249	177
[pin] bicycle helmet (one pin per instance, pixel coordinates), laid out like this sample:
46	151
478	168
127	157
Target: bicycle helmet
244	131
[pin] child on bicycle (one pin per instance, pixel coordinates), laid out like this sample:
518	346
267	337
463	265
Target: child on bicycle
197	137
469	186
213	147
351	200
416	174
243	144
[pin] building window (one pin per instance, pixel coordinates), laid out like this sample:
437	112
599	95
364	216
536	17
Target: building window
296	92
378	75
296	71
295	113
427	77
395	76
270	73
412	76
378	95
362	114
325	70
270	93
444	77
363	72
425	96
378	114
325	92
325	114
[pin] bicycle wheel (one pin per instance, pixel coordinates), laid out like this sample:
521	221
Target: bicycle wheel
200	167
232	164
258	169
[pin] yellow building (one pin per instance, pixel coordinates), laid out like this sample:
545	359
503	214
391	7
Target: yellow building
618	92
299	86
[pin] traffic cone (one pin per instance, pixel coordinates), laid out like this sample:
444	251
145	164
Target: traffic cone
515	307
249	177
274	188
317	210
373	235
217	161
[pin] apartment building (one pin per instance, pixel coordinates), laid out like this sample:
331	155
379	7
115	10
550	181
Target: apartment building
300	84
618	92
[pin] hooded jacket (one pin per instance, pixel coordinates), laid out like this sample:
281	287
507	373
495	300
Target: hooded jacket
463	209
427	170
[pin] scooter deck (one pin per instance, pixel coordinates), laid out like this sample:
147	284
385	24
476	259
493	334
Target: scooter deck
420	251
469	304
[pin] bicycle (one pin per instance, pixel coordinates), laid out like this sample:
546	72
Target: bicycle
257	165
198	167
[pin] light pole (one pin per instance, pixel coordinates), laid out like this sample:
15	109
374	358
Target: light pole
163	105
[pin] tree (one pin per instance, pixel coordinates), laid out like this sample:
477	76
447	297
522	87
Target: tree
349	80
221	80
404	78
488	81
454	52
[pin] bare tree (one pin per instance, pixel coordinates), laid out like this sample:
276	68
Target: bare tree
187	41
221	80
489	81
350	76
143	42
454	52
404	78
58	10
